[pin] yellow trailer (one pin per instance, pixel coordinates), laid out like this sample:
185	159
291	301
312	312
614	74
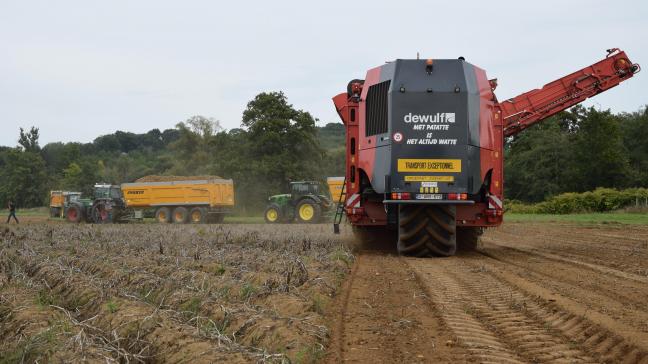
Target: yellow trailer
335	185
194	201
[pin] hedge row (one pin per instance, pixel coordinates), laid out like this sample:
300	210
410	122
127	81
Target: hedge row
599	200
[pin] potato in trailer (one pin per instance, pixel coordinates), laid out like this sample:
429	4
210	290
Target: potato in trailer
195	201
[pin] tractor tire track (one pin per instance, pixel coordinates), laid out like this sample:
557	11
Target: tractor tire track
384	316
504	322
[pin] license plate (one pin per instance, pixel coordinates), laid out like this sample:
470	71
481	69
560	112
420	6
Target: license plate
429	196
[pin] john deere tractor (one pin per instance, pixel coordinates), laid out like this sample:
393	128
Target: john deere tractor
305	203
106	206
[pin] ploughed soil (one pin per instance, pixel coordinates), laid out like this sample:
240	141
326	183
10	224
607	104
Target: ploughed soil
531	293
167	293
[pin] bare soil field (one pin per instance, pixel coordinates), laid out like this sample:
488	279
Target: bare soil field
167	293
532	293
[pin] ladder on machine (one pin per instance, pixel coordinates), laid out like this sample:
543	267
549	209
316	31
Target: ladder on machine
339	210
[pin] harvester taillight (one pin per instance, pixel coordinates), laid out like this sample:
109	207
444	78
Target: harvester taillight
401	196
457	196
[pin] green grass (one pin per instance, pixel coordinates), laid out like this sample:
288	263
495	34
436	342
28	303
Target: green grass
590	218
35	211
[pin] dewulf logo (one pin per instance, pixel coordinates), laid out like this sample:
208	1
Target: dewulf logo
440	117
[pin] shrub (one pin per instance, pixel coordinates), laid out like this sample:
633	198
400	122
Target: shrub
599	200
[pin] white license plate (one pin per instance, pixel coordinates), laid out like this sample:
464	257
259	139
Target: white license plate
429	196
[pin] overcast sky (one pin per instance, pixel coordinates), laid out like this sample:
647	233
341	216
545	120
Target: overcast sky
80	69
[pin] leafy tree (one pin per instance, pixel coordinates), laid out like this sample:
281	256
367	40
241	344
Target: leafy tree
29	140
23	178
539	163
634	128
600	157
194	146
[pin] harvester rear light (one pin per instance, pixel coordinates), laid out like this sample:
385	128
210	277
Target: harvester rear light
457	196
401	196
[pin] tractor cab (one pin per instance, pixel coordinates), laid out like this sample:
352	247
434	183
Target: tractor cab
303	188
106	191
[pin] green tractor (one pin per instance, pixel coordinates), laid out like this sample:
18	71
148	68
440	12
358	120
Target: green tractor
106	206
305	203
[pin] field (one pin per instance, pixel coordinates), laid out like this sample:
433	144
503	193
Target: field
151	293
533	292
567	290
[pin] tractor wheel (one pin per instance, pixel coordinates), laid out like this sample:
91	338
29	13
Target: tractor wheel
468	238
163	215
427	230
197	215
308	211
272	214
74	214
100	215
180	215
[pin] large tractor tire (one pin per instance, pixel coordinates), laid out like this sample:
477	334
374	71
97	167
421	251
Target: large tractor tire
308	211
468	238
427	230
272	214
180	215
74	214
163	215
198	215
100	214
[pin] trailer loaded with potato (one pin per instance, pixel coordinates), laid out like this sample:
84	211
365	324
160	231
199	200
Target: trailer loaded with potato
182	201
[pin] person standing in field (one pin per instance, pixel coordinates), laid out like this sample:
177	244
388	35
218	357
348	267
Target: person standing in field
12	211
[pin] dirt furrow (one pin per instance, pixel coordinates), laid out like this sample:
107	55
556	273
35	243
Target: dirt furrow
384	316
624	252
526	249
597	334
623	300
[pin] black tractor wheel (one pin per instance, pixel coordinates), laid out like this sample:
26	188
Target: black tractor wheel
197	215
427	230
272	214
163	215
180	215
308	211
74	214
100	214
468	238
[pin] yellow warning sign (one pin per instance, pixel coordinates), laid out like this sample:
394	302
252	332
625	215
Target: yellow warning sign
429	165
429	178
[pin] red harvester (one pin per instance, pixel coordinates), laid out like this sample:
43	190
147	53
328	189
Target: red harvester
425	143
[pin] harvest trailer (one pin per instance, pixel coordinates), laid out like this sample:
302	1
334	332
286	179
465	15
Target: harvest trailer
195	201
425	142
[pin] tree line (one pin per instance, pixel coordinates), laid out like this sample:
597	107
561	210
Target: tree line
275	144
575	151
